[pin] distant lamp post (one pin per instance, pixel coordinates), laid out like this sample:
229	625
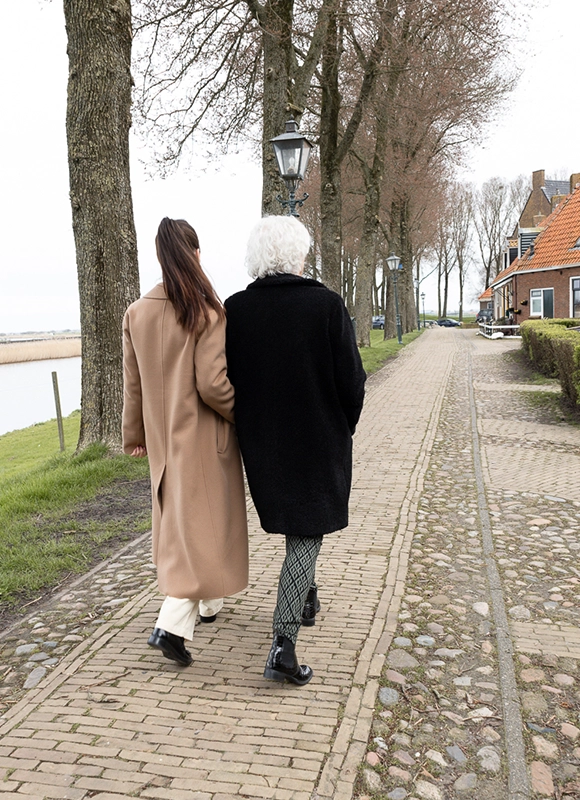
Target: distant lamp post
292	151
394	264
423	301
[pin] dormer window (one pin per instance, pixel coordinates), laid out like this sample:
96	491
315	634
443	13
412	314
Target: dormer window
577	245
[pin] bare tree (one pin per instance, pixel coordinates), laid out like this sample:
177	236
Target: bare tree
497	206
97	124
438	80
224	71
461	230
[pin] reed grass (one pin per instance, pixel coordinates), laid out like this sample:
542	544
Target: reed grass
15	352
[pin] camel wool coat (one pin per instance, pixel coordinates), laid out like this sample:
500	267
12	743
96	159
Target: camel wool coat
178	402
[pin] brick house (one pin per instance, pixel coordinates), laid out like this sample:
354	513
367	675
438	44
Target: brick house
544	282
486	299
546	194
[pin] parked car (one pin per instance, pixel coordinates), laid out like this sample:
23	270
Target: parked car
379	322
448	323
484	315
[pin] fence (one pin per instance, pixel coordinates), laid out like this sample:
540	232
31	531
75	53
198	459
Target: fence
491	331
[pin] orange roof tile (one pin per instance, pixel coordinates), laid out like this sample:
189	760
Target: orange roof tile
487	295
505	272
555	246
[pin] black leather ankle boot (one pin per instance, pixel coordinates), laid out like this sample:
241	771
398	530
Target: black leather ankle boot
282	664
171	646
311	608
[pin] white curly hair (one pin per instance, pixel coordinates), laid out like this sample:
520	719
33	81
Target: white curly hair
277	244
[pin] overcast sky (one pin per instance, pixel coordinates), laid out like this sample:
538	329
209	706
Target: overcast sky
38	289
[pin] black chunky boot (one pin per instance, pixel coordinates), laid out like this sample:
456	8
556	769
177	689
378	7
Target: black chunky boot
282	664
311	608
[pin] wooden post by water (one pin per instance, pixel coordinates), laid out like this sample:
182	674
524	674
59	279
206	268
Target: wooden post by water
58	411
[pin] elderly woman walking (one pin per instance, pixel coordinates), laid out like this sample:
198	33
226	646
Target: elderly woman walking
178	409
299	384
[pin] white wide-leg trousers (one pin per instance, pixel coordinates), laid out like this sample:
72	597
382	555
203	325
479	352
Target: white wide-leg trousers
178	615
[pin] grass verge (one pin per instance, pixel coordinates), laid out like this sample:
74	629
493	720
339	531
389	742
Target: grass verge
23	450
59	515
381	350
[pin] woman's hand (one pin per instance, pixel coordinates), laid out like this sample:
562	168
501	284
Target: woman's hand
140	451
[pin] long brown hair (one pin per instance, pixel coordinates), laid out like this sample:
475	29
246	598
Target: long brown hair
186	285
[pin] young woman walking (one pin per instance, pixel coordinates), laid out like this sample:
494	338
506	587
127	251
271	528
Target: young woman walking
178	410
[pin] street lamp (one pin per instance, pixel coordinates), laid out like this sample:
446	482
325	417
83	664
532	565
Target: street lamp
423	301
292	151
394	264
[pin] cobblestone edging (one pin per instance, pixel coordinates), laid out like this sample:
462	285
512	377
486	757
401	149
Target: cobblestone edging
34	646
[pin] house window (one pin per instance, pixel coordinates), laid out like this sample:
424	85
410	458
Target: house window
575	297
542	303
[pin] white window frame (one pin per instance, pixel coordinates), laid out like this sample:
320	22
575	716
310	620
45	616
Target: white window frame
542	290
572	279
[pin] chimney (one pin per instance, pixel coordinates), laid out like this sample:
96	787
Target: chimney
574	179
538	219
538	179
557	199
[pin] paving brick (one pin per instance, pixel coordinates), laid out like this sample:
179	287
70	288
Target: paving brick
48	779
44	755
57	792
161	793
70	769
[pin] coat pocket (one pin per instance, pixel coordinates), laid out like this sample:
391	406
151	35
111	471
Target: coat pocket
223	434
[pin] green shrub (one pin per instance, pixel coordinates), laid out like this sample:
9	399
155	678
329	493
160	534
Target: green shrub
555	351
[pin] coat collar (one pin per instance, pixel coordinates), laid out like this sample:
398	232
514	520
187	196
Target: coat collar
157	293
284	279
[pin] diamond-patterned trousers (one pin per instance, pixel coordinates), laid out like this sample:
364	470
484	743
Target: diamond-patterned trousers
296	578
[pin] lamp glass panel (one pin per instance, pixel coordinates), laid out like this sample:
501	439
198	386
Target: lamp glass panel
393	262
306	148
289	160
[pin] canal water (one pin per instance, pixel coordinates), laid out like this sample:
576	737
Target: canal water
26	394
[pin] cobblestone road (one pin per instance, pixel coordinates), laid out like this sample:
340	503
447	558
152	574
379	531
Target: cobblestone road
465	514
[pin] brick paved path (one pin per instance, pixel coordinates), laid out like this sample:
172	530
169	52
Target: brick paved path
114	720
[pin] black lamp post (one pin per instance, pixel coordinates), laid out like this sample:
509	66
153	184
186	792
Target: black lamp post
423	301
394	263
292	152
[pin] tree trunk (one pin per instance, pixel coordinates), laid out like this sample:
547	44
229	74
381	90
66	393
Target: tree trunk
461	270
439	274
408	310
277	45
445	288
348	263
366	266
390	330
330	190
97	124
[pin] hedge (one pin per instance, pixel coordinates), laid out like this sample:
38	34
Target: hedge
555	352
